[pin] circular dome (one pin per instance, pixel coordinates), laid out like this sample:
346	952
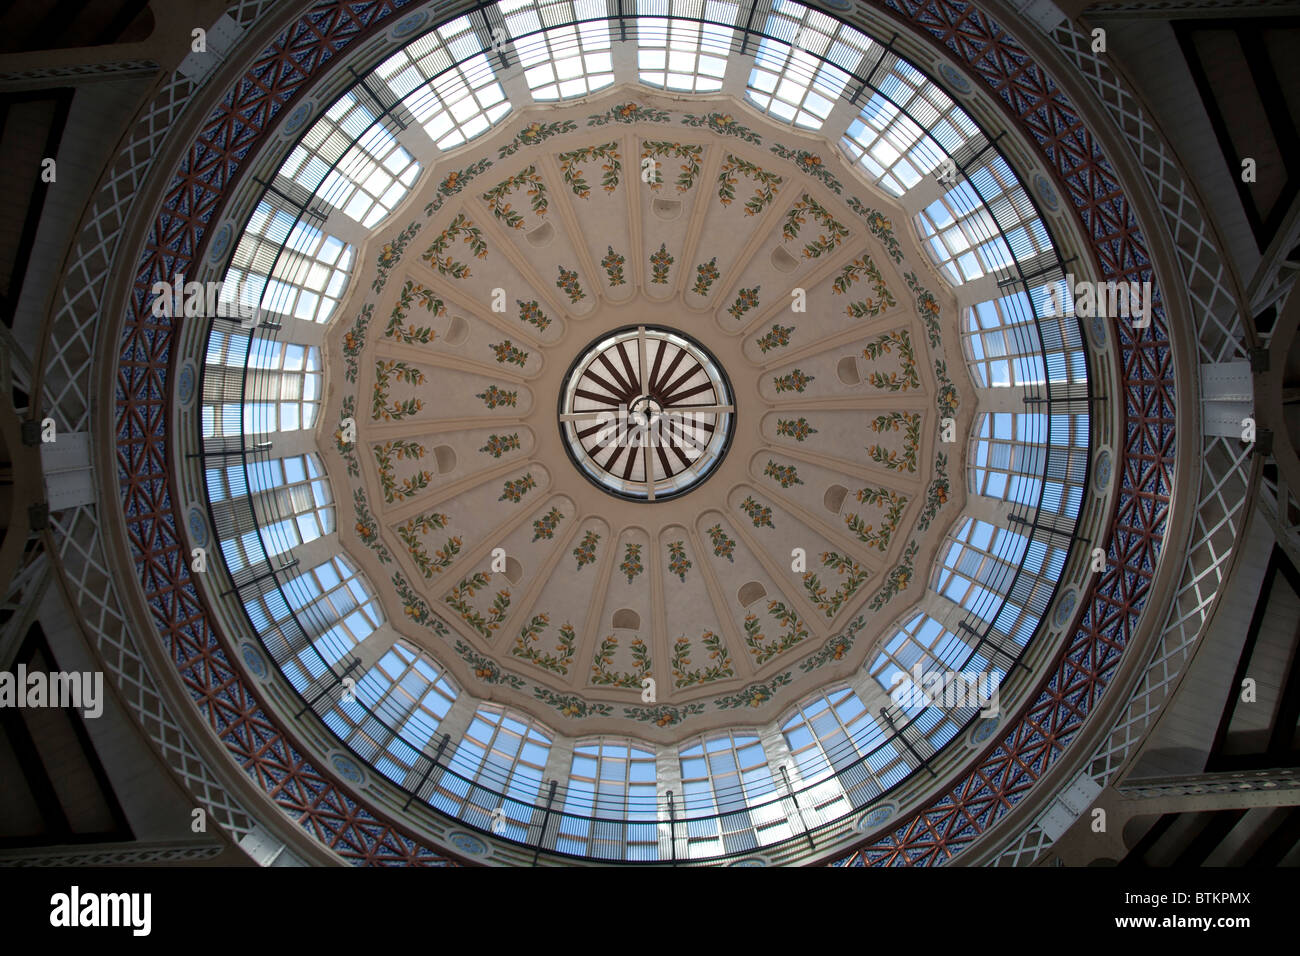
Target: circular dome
854	368
832	383
646	413
813	373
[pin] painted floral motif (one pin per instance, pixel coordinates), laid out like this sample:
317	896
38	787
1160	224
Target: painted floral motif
947	398
706	273
897	580
585	552
411	532
411	294
664	715
391	254
463	228
535	133
494	397
379	407
784	475
454	182
354	340
746	299
796	428
367	527
724	125
893	505
348	409
927	307
796	381
907	377
544	527
458	600
936	496
386	457
778	337
755	695
811	164
628	113
661	262
613	266
611	168
834	649
678	563
600	664
836	232
568	284
756	641
723	546
910	425
515	489
880	227
631	565
719	669
486	669
536	191
415	607
854	576
761	515
506	353
557	662
690	169
531	313
851	273
768	183
498	445
570	705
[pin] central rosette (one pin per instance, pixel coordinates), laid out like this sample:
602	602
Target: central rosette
646	413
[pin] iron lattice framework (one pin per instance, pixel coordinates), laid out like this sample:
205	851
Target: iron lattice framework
278	77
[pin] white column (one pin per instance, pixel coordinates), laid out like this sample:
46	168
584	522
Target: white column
668	778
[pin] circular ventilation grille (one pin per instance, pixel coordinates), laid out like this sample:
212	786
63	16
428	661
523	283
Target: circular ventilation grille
646	413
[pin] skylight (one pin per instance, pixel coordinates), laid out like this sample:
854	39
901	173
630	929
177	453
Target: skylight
723	779
291	498
505	752
906	130
803	64
286	393
287	267
828	736
983	224
610	804
564	61
447	83
409	695
352	162
680	54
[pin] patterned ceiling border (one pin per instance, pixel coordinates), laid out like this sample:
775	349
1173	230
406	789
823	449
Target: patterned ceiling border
277	76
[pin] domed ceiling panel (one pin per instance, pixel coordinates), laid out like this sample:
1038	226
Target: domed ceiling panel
772	364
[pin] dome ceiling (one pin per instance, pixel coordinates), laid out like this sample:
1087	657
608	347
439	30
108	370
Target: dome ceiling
778	484
263	565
